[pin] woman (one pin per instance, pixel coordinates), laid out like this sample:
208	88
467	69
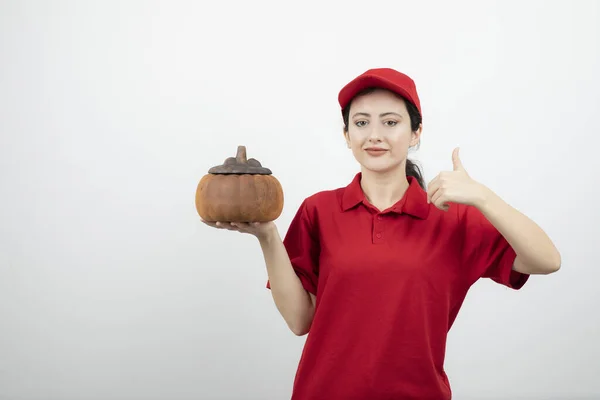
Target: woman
377	270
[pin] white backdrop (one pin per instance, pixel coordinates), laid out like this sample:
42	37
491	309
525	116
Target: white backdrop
111	112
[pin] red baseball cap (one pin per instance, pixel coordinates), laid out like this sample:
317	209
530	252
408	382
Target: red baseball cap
385	78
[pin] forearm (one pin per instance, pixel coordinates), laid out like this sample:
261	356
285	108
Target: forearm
536	254
291	299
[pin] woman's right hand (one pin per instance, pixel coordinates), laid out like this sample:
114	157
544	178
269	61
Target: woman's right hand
260	230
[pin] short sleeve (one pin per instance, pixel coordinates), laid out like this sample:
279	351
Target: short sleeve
302	245
487	253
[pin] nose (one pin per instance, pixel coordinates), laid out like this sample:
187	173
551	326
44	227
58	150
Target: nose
374	135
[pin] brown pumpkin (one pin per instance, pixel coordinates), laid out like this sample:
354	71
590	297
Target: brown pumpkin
239	190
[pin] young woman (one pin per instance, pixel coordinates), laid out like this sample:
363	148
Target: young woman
377	271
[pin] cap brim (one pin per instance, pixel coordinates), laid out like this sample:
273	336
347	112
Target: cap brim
361	83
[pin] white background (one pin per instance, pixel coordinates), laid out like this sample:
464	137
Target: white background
111	112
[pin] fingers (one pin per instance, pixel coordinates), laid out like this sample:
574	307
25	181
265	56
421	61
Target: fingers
230	226
431	189
243	227
439	200
212	224
436	191
219	224
235	226
433	186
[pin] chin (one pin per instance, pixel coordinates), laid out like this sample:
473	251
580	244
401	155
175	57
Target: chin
378	167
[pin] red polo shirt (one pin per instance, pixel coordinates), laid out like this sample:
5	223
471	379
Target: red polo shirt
388	287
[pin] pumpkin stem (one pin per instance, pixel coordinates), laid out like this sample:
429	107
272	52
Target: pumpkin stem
241	155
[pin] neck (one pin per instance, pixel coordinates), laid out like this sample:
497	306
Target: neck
384	189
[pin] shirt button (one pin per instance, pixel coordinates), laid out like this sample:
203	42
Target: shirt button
379	217
378	236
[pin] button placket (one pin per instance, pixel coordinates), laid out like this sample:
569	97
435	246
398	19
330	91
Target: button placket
378	233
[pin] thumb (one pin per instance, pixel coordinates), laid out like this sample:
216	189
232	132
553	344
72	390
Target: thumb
456	161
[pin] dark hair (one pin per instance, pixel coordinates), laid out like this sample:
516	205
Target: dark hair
412	169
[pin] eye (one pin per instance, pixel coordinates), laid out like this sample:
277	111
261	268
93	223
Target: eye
360	123
391	123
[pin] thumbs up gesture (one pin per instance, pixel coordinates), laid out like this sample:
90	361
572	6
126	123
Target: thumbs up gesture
455	186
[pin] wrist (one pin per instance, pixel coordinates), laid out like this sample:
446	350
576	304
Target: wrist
268	235
485	198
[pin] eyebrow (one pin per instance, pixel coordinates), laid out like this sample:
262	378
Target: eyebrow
364	114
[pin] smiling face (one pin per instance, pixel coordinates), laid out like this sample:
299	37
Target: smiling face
379	131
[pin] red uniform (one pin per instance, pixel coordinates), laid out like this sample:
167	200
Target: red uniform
388	287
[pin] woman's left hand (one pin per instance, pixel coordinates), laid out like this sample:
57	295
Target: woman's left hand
455	186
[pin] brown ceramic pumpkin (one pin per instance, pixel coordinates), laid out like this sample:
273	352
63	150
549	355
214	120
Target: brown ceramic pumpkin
239	190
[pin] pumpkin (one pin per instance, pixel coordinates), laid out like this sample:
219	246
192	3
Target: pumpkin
239	190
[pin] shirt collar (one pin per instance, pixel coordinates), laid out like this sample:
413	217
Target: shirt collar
414	201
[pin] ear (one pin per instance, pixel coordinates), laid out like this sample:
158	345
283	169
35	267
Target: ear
416	136
347	138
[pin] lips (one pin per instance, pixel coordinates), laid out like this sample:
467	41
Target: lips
375	151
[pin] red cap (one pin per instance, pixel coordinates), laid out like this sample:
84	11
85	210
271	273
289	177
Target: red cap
385	78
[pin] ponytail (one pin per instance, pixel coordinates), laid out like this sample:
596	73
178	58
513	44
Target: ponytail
412	169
